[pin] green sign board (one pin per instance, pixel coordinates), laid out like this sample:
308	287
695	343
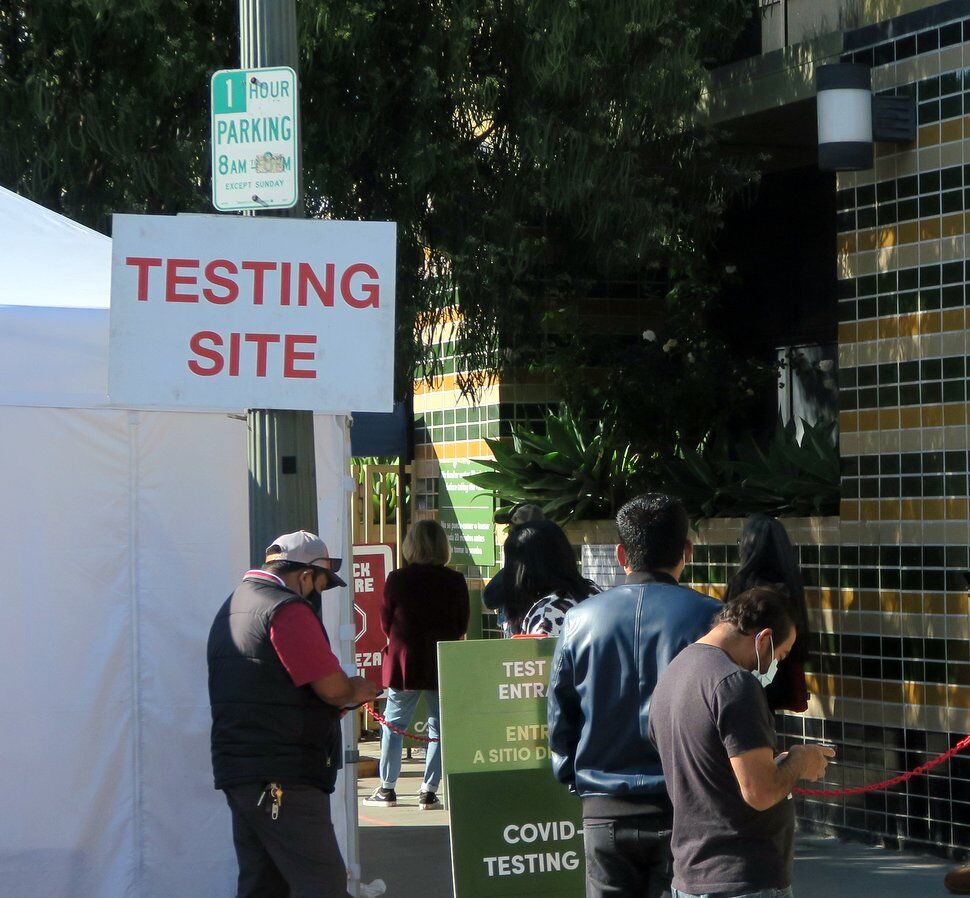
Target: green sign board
466	511
515	830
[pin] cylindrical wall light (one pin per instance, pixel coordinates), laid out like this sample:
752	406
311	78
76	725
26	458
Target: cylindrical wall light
844	96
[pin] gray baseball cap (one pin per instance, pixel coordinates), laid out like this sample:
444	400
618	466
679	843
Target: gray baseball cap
303	547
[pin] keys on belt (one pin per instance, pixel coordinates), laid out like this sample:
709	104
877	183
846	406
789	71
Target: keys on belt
272	798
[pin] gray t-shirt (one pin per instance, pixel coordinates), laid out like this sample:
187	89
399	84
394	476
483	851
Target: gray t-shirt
706	710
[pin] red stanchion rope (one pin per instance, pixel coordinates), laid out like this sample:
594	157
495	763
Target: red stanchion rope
855	790
395	729
894	781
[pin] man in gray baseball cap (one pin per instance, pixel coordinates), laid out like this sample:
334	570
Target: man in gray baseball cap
307	549
277	692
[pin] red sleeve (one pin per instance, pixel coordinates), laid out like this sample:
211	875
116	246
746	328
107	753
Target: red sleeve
301	644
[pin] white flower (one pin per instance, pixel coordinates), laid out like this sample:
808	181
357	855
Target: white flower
826	365
690	357
730	269
749	392
650	336
670	344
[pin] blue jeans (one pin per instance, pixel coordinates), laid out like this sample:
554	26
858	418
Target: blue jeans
399	711
763	893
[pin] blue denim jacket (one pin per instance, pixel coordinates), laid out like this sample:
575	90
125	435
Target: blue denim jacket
612	650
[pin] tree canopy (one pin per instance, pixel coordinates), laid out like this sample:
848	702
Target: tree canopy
105	105
528	150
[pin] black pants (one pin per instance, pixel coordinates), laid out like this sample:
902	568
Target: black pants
628	857
294	856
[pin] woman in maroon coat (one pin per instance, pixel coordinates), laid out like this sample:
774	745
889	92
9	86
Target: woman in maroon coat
424	603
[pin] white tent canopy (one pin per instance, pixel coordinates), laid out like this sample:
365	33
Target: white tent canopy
50	260
125	530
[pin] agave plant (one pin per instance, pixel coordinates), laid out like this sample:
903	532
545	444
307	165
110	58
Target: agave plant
788	477
576	470
702	479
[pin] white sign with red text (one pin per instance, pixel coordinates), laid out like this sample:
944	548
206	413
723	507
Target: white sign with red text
216	313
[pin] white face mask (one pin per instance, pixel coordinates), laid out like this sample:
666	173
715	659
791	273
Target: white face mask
766	677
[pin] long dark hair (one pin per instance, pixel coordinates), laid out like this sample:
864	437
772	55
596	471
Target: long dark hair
768	559
538	562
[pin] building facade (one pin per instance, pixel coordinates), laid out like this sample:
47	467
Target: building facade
888	578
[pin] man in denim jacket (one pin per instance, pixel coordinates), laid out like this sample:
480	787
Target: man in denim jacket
613	648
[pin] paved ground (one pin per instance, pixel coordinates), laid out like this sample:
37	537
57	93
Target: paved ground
409	850
406	847
829	868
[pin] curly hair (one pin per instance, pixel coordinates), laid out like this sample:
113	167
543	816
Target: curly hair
759	609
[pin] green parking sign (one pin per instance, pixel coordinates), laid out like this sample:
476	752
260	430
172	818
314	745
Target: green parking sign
228	92
254	139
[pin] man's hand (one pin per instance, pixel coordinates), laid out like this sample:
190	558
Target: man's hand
364	690
765	780
812	760
339	690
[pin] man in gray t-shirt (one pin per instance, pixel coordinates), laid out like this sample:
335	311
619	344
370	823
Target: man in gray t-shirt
733	818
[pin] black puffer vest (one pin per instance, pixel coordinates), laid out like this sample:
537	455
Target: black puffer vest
264	728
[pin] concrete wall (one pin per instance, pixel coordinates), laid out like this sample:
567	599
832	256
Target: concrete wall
790	22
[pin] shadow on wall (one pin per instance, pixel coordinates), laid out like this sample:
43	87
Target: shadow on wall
795	21
797	35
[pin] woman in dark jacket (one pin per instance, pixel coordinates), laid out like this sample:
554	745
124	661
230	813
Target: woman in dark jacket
768	559
424	603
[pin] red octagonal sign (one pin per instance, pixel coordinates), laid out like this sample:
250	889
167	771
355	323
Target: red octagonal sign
372	564
360	622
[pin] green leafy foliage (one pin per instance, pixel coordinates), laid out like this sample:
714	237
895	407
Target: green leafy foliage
573	471
788	478
105	105
584	471
701	478
677	377
527	151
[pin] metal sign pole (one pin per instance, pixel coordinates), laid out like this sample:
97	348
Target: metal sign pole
282	468
282	472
